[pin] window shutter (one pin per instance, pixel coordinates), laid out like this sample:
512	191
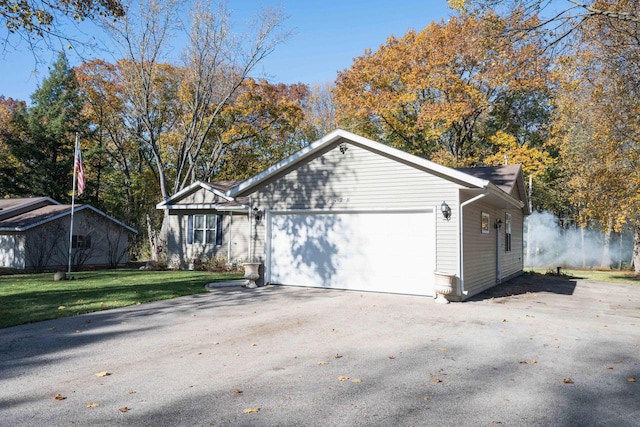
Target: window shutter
87	242
74	241
218	229
190	229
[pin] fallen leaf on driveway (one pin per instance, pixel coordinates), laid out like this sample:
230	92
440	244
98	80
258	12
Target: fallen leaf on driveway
103	374
533	361
59	397
609	367
251	410
236	391
322	362
631	380
356	380
343	378
523	362
391	357
567	381
436	380
124	409
92	405
442	349
337	356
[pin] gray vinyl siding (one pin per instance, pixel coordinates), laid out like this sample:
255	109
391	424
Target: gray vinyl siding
361	180
480	250
513	261
47	246
235	227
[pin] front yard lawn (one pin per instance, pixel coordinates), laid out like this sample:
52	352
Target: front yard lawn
26	298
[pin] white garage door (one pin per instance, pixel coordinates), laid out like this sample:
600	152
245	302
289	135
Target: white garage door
381	251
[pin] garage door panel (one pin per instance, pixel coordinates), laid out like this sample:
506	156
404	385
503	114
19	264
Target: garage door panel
385	252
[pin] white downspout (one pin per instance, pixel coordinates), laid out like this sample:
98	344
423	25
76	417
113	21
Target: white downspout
229	236
249	259
461	231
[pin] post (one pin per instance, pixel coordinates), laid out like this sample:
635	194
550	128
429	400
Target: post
73	202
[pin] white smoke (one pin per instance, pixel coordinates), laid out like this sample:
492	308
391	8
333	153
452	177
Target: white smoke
547	244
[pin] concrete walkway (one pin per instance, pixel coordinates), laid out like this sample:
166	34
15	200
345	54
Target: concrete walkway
545	352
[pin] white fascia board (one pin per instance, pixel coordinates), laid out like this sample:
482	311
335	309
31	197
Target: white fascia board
363	142
190	189
208	206
67	213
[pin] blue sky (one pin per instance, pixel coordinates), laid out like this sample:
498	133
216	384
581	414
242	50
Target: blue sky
327	35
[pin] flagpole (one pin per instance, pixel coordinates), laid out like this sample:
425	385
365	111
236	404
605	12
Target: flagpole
73	202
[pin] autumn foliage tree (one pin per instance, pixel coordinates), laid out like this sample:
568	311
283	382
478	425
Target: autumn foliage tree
434	92
598	126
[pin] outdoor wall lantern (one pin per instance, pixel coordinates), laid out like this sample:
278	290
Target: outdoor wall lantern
343	147
257	214
446	210
499	224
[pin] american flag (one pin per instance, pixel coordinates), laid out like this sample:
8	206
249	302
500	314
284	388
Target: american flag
80	169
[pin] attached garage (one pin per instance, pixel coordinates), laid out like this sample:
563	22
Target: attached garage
347	212
382	251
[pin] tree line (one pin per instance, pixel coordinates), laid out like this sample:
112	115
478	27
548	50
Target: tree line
497	82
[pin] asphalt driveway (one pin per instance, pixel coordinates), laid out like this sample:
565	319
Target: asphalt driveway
532	352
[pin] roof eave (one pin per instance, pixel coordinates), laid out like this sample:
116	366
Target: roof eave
208	206
192	188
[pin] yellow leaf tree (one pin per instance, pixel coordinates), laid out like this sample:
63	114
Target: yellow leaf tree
433	92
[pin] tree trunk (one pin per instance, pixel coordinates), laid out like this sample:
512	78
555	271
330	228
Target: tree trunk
153	240
636	248
606	247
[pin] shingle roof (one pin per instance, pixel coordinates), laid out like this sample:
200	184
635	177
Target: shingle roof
35	216
224	186
503	177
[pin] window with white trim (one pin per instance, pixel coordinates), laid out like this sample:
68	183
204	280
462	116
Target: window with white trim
204	229
507	232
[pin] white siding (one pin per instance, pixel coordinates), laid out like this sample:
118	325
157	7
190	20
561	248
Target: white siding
362	180
12	251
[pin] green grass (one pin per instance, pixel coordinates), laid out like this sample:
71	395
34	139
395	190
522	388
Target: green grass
610	276
26	298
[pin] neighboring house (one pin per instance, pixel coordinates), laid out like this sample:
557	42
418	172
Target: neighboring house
350	213
34	235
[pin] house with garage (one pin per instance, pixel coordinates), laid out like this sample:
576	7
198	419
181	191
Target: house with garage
347	212
34	235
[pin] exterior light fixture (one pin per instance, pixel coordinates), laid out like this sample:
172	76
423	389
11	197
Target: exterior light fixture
499	223
446	210
257	214
343	147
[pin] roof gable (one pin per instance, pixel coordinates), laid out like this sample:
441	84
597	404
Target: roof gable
339	136
501	187
212	196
